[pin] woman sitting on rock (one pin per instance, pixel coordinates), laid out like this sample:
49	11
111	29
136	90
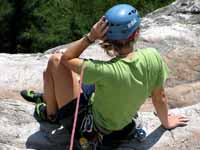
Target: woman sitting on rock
116	88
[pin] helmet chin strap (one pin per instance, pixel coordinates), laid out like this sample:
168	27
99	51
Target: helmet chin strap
133	35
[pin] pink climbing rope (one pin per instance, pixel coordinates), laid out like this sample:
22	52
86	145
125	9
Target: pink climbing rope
76	110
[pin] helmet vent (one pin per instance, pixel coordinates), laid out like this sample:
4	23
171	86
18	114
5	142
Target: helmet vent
111	24
133	11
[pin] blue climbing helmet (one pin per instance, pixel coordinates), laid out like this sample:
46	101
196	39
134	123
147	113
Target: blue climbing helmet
123	20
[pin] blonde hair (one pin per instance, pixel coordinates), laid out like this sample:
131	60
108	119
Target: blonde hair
113	47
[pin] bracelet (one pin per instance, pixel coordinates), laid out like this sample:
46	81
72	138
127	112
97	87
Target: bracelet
87	39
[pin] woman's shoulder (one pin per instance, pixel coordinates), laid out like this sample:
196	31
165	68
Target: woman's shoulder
148	53
147	50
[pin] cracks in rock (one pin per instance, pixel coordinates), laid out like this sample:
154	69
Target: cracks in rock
188	12
183	4
19	110
197	111
189	6
172	135
195	10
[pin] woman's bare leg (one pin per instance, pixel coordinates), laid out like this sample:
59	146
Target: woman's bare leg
49	93
62	86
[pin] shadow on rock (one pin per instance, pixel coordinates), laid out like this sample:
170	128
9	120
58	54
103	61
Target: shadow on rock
54	137
133	144
152	138
50	136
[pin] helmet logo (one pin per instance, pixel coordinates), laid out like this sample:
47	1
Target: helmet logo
132	23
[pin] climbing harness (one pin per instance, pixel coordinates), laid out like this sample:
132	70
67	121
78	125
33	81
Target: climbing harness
140	134
89	136
87	122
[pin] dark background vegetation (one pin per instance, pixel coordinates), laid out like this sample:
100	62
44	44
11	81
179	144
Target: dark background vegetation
28	26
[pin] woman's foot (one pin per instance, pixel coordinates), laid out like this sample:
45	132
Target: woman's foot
32	96
41	114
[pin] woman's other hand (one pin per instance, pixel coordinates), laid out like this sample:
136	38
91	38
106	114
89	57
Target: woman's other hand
168	121
175	121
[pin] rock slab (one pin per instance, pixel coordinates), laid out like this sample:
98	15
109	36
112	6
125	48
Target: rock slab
19	130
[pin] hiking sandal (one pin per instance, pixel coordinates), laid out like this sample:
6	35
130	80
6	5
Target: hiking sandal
32	96
41	114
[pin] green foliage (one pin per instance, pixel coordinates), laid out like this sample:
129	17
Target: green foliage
47	25
36	25
6	33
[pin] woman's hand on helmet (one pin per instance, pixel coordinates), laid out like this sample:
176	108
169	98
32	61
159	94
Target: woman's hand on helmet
98	31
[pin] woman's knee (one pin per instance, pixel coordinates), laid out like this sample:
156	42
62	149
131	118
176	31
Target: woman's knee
54	60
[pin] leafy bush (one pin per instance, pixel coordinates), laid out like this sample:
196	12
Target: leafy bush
35	25
7	38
